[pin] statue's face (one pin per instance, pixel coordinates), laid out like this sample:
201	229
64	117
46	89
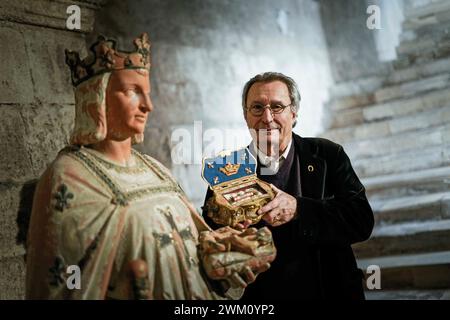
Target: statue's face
128	103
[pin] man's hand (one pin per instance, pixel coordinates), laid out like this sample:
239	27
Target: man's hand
282	209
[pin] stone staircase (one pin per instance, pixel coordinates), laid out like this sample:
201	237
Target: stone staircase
396	130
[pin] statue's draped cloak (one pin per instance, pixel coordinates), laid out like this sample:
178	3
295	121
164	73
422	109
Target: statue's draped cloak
99	215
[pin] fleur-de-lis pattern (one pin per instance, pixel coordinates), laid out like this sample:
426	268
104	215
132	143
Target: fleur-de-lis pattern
62	196
57	272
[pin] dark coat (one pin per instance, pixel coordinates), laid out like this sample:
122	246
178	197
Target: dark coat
315	258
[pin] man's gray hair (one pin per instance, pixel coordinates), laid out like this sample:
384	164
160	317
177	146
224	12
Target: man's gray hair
294	93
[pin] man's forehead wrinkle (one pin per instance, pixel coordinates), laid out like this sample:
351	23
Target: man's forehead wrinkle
266	100
265	90
269	95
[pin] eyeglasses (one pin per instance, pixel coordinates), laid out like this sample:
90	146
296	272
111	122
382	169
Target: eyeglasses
258	109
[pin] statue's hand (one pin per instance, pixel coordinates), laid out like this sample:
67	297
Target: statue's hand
236	256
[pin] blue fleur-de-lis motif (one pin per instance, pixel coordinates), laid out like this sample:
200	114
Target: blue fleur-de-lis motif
57	272
62	198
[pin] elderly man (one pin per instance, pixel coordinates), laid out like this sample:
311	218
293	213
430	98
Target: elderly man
320	208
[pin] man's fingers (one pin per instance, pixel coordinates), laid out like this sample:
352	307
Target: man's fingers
271	205
277	191
273	216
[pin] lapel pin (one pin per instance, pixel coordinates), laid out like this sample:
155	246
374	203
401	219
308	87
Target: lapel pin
310	168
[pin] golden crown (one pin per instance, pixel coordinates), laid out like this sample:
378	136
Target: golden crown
230	169
104	57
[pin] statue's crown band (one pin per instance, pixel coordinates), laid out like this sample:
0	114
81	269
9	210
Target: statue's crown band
104	57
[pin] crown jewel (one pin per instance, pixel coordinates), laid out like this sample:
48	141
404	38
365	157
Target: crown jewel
104	57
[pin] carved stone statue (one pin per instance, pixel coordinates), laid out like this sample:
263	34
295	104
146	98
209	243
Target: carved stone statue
118	215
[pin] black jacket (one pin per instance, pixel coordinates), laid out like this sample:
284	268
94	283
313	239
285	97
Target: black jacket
315	258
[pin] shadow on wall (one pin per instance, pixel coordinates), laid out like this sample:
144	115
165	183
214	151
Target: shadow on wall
24	213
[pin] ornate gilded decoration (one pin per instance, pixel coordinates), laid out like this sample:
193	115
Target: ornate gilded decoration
240	194
230	169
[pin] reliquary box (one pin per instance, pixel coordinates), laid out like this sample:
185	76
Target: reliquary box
237	192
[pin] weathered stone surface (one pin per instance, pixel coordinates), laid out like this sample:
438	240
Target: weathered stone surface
406	238
15	79
353	49
400	148
436	31
420	120
416	183
433	206
413	88
415	46
46	13
407	260
413	121
394	109
429	157
31	136
364	131
419	71
12	231
36	112
353	101
397	108
14	159
426	15
348	117
408	294
399	143
419	271
50	74
12	278
441	49
356	87
202	60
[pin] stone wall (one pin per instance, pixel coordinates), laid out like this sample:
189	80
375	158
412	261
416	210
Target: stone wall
36	113
202	54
